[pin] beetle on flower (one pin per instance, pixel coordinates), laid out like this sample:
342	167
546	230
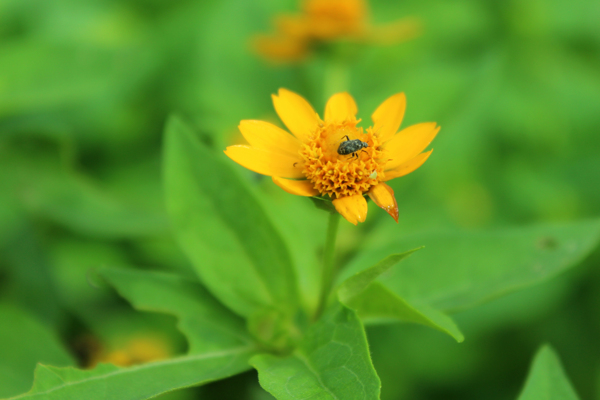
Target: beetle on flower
309	163
351	146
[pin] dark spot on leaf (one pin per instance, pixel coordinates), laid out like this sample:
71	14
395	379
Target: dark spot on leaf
547	243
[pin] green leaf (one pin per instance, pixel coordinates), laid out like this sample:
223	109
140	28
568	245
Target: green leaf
357	283
24	342
332	362
378	304
462	269
207	324
222	228
547	379
144	381
219	346
375	303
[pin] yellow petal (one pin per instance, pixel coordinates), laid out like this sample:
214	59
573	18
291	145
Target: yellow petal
353	208
340	107
388	117
407	167
295	112
266	162
299	188
266	136
383	196
408	143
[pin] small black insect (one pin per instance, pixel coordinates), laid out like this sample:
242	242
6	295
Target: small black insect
351	146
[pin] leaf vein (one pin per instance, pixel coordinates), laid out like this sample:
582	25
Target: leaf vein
314	372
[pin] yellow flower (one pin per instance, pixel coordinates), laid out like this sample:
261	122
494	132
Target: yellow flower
331	19
309	163
328	20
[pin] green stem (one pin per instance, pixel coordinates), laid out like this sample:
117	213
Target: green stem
328	271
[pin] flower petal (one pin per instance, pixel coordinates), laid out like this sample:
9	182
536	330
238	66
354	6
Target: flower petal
383	196
296	113
266	136
388	117
409	142
266	162
340	107
353	208
407	167
299	188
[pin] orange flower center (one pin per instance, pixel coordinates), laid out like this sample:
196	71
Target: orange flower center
341	175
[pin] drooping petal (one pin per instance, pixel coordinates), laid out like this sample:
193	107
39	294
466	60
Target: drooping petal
407	167
299	188
388	117
296	113
266	136
383	196
408	143
353	208
266	162
340	107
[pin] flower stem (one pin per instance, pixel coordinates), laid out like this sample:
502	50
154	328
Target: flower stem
328	271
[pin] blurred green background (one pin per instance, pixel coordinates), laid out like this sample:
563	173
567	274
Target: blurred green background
85	89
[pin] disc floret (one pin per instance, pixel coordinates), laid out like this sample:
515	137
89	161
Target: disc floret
337	175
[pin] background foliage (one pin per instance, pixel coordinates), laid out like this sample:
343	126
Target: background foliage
85	91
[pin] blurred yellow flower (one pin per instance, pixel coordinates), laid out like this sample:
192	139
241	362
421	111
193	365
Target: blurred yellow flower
334	156
328	20
137	350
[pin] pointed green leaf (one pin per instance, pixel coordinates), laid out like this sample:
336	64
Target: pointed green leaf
547	379
233	246
378	304
23	343
462	269
207	324
357	283
332	362
375	303
139	382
